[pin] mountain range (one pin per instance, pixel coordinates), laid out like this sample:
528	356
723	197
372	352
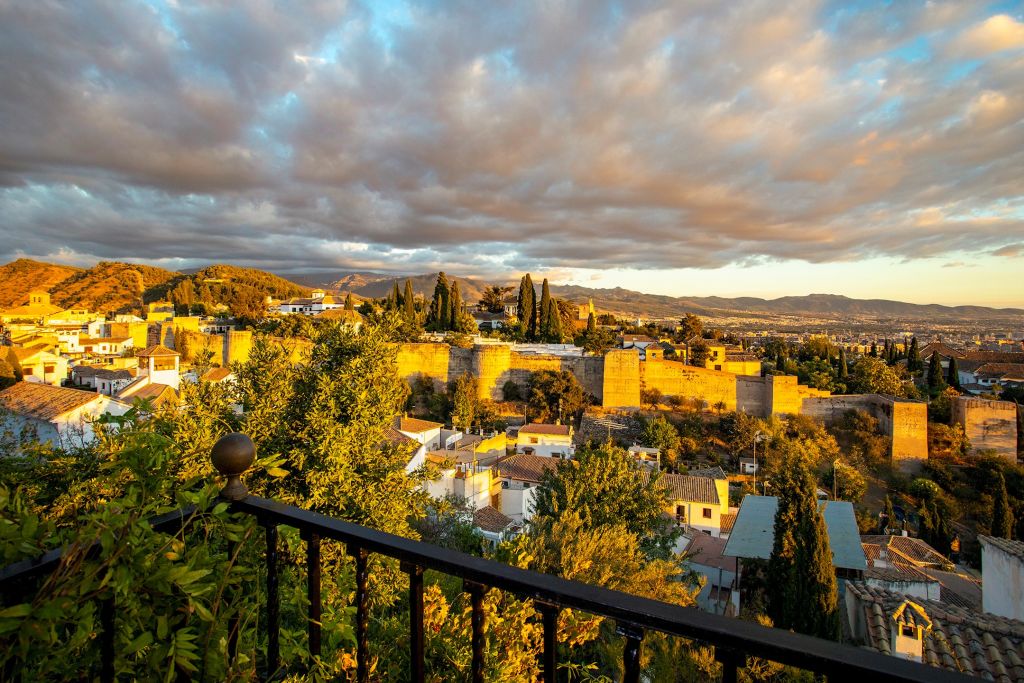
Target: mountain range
119	287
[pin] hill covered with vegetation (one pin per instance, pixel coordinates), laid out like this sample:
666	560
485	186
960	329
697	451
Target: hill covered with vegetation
20	277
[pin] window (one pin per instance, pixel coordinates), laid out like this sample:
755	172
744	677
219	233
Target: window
48	369
534	439
718	367
26	371
707	513
908	631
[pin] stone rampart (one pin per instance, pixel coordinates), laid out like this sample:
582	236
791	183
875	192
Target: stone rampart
620	386
673	378
989	425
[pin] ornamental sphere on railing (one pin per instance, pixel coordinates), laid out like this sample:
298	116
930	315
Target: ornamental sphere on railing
232	455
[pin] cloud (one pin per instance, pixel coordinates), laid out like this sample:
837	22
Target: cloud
538	136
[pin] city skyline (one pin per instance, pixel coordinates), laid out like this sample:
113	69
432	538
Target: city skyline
740	150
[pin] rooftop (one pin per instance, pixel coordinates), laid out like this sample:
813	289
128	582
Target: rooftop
489	519
541	428
691	488
44	401
411	424
156	350
910	550
530	468
1013	548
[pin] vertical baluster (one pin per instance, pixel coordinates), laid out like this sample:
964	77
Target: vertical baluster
273	605
416	671
631	652
549	617
107	639
476	595
233	619
362	614
730	661
313	592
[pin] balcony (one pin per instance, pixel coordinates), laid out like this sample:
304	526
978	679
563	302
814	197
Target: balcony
733	640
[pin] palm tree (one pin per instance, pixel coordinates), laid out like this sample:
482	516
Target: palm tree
494	297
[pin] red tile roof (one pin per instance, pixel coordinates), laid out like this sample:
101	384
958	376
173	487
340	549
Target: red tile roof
523	467
411	424
156	350
490	519
541	428
43	401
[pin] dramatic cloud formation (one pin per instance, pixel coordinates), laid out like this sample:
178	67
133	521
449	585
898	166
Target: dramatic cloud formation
553	135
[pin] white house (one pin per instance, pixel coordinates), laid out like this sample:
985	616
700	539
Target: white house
704	555
106	346
545	439
38	364
697	503
520	475
1002	571
423	431
317	302
57	415
494	526
157	377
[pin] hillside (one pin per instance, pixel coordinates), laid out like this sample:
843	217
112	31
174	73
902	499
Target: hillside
20	277
111	287
259	280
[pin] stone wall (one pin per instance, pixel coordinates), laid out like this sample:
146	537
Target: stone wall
620	387
673	378
902	420
989	425
428	360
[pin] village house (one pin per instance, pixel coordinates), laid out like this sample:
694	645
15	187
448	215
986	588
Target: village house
157	379
106	346
552	440
38	363
705	555
697	503
36	310
56	415
1002	568
493	525
317	302
519	476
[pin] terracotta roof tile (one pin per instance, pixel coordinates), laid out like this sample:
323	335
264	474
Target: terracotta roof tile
715	472
411	424
728	519
43	401
157	350
216	374
1014	548
695	489
523	467
541	428
490	519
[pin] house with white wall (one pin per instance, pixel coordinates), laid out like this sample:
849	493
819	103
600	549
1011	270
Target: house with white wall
38	363
697	503
551	440
56	415
1002	582
520	475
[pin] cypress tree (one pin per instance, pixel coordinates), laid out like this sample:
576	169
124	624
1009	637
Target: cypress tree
591	324
953	374
545	311
780	362
889	521
409	302
349	304
925	525
1002	515
802	584
554	323
455	302
874	350
439	306
526	307
396	296
942	532
914	356
844	370
934	373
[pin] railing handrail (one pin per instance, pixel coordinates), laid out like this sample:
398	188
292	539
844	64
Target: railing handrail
786	647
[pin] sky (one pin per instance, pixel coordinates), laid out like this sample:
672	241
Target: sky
872	149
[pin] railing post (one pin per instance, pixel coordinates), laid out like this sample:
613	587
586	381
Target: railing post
107	639
273	605
362	614
232	455
549	617
313	592
479	621
631	651
730	661
416	649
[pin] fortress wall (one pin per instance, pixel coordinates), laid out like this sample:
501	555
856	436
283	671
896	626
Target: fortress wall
460	362
621	383
137	331
237	346
989	425
782	394
673	378
832	408
430	360
750	395
491	365
589	370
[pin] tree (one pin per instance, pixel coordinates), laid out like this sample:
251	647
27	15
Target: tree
887	523
555	395
843	370
409	303
493	298
526	308
848	483
873	376
591	324
1002	515
464	401
874	350
7	374
438	318
953	375
934	374
455	306
395	300
802	592
698	354
544	311
690	326
350	305
661	434
914	356
554	323
604	486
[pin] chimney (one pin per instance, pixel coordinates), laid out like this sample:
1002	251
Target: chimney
906	631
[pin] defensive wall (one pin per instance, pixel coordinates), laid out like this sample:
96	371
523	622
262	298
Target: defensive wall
618	379
989	425
902	420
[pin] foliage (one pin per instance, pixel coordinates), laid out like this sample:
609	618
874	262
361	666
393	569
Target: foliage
8	376
604	486
1002	515
448	523
873	376
848	483
698	353
464	401
690	326
555	395
526	309
661	434
802	592
493	299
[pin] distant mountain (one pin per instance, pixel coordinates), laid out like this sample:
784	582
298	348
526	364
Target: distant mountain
352	282
20	277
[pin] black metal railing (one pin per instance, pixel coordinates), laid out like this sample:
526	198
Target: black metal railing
733	640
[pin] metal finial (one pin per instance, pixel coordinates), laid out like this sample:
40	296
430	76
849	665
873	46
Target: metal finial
232	455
